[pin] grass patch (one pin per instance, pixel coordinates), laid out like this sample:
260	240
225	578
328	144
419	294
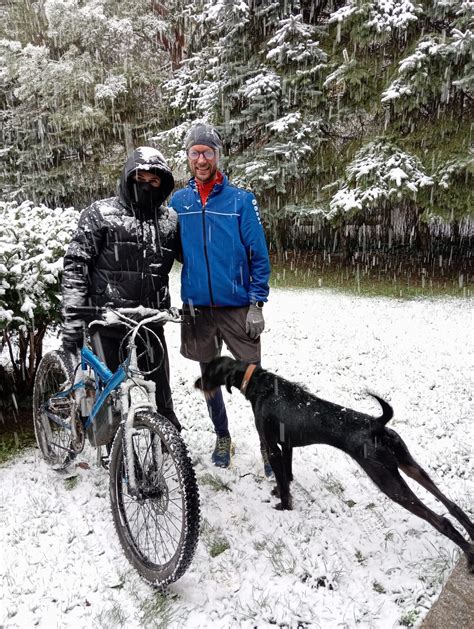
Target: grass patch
112	617
71	482
280	556
378	587
218	546
213	538
333	485
11	444
435	568
156	612
213	481
372	277
360	557
409	618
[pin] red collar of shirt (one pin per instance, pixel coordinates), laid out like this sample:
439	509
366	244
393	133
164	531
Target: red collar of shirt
205	189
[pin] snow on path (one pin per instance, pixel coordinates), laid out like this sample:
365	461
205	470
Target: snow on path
345	557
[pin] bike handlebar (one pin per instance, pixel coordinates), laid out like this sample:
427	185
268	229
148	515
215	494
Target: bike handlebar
138	312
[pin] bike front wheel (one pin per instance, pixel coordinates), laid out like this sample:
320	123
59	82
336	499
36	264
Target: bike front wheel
52	411
157	522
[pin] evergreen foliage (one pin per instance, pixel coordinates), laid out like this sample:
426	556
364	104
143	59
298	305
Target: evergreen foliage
300	89
303	91
80	84
379	174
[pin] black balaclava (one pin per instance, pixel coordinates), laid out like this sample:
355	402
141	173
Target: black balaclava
145	197
140	196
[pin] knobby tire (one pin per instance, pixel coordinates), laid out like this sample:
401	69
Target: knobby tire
55	373
158	531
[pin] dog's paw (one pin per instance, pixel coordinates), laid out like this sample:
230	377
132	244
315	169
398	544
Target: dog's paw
287	506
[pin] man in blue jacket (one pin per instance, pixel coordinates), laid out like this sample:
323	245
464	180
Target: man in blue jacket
225	271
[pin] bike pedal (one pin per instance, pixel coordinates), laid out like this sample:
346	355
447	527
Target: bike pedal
104	462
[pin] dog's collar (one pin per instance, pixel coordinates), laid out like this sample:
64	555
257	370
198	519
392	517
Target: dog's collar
246	379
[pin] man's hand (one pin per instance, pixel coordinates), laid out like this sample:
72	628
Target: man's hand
255	323
72	341
71	347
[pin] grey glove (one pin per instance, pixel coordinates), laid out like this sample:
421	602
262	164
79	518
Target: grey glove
255	323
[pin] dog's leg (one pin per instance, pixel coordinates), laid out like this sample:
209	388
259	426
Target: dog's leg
418	473
389	481
287	452
278	467
411	468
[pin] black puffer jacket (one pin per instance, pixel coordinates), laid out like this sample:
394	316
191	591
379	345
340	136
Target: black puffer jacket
120	253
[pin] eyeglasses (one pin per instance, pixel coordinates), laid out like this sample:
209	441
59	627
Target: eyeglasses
208	154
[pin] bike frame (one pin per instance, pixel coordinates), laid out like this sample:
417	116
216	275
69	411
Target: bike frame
136	393
105	381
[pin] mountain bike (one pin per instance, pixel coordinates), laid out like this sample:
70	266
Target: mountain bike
153	491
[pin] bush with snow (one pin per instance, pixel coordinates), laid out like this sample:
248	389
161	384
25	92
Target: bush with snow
32	244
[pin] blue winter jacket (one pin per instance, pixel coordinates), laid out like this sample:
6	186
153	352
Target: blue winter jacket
225	256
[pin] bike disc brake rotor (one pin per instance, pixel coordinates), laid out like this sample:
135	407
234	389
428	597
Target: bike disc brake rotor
154	487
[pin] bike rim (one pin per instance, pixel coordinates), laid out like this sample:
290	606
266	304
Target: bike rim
56	437
154	522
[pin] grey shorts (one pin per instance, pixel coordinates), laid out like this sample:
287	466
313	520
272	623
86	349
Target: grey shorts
202	335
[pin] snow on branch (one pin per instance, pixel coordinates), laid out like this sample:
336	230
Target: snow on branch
264	83
434	56
381	16
111	88
293	43
32	245
379	173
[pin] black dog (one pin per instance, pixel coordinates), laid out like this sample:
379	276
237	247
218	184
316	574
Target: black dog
288	416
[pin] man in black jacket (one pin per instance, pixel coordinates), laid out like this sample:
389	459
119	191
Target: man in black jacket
122	253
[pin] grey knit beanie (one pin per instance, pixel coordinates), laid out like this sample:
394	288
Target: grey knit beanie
204	134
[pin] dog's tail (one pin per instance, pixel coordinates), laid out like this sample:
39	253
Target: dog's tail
386	408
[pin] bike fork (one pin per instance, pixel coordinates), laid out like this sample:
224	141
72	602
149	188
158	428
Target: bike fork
135	396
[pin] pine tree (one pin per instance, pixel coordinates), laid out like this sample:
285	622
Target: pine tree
81	87
254	70
416	58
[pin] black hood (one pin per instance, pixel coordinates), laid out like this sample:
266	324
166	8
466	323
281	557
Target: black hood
144	158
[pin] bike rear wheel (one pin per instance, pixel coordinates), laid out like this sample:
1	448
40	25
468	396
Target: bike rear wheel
52	412
158	525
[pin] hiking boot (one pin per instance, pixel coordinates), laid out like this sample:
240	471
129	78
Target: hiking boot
221	455
267	468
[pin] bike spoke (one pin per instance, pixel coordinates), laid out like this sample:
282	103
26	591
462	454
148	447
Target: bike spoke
158	520
52	411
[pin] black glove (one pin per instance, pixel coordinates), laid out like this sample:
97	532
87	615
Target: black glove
71	346
255	323
73	337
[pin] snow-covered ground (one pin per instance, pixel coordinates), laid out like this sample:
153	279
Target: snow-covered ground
345	557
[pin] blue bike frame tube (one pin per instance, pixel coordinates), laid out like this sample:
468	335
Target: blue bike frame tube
89	358
111	380
115	381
